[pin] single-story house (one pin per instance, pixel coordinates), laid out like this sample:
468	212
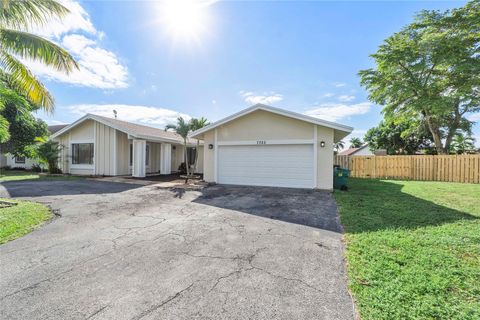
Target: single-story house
361	151
267	146
97	145
8	160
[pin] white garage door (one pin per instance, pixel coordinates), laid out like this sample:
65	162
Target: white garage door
266	165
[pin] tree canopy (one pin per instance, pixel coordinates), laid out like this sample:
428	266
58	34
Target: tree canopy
19	129
430	70
16	43
400	137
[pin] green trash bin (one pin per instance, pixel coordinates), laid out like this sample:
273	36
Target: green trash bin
340	178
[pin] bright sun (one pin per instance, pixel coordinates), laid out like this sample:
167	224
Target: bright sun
184	19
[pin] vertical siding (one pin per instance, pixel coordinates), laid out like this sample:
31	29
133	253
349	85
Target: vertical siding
177	156
154	157
200	159
104	144
123	153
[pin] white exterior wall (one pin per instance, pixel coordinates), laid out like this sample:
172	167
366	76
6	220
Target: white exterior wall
112	151
10	161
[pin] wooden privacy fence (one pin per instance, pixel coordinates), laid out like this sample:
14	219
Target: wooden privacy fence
451	168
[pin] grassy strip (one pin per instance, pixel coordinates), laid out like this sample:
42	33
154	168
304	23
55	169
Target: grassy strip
413	248
19	175
16	221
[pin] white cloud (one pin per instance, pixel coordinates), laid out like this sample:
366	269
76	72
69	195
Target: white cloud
474	117
99	68
335	112
266	98
328	95
346	98
339	84
77	20
147	115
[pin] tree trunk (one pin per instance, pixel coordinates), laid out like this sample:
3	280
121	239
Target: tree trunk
437	139
452	129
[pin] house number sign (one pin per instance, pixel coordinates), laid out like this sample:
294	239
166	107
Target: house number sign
261	142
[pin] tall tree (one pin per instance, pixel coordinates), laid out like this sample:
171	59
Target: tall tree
338	146
21	128
431	69
399	136
182	128
16	43
356	142
197	124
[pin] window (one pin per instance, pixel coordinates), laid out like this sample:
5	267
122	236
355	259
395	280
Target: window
19	159
147	154
191	152
82	153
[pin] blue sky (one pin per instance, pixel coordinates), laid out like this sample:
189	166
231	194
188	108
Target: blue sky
301	56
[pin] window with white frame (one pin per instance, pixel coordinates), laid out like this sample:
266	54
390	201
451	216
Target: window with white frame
82	153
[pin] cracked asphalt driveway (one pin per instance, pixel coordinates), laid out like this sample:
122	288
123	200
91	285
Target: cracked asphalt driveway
123	251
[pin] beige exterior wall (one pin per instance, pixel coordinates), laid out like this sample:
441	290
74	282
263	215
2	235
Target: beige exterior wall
325	158
123	154
209	156
177	157
104	157
83	133
263	125
106	160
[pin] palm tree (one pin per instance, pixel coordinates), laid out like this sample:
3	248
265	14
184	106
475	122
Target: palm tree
196	124
182	128
356	142
16	18
338	146
463	143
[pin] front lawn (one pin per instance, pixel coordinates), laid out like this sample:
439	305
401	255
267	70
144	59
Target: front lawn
16	221
17	175
413	248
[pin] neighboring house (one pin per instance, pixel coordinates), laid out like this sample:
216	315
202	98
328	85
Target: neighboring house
267	146
362	151
23	162
96	145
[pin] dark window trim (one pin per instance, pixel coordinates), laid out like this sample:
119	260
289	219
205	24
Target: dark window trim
76	153
18	160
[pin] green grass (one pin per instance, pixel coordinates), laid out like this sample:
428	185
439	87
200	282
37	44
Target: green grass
413	248
21	219
18	175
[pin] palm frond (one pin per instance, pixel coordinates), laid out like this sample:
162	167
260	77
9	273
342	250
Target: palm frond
30	46
25	82
24	14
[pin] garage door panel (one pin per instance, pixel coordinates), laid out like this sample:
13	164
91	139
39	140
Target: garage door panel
270	165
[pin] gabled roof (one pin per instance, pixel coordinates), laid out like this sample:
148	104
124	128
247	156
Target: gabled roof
286	113
132	129
56	127
352	151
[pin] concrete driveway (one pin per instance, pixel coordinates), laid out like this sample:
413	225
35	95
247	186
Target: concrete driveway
124	251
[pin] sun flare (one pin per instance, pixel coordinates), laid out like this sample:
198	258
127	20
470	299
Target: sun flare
184	19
